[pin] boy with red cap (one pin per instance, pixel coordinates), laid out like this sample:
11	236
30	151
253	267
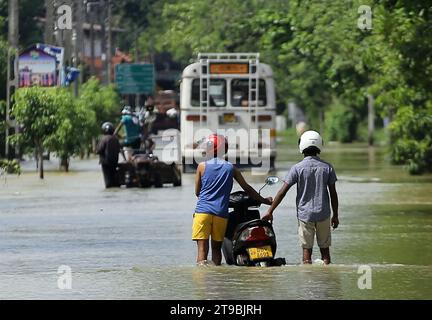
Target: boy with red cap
213	185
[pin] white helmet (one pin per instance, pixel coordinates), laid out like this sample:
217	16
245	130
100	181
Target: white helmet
127	110
310	139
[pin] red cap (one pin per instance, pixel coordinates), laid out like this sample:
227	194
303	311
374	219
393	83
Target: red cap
217	144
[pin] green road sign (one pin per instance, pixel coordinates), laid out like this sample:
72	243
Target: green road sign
135	78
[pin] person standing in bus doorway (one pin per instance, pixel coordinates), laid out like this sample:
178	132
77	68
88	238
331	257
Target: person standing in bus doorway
213	185
313	177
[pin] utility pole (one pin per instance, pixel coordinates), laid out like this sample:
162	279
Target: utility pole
12	66
66	40
102	14
49	22
109	43
79	41
93	11
92	37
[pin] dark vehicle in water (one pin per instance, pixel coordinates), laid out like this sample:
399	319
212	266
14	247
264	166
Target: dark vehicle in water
249	241
148	166
145	170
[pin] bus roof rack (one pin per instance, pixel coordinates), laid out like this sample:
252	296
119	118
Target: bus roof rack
229	56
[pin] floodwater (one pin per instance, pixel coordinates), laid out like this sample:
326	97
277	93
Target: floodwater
135	243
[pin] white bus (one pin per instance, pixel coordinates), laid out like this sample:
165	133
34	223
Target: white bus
219	93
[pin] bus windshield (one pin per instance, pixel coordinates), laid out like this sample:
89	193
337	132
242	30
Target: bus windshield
217	91
240	93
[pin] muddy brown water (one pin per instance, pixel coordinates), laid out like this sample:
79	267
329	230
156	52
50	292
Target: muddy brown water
135	243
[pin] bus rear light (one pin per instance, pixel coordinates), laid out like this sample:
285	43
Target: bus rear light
263	118
195	117
272	133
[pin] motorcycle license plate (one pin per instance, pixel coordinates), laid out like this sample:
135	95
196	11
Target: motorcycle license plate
260	253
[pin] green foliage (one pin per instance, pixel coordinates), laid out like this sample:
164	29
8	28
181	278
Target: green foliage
10	166
104	101
3	67
340	123
321	59
134	17
412	132
73	132
36	112
30	30
51	120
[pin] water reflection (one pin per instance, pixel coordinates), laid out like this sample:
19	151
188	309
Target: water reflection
371	158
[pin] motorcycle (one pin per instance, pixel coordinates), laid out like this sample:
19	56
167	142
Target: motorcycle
249	241
146	170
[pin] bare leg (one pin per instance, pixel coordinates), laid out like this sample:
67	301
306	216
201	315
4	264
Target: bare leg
325	255
203	249
216	252
307	256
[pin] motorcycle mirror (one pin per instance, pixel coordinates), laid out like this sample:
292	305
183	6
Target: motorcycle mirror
272	180
269	181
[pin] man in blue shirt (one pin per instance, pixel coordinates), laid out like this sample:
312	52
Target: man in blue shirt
213	185
313	177
133	131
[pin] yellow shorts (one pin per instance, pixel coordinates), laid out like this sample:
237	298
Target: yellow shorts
205	224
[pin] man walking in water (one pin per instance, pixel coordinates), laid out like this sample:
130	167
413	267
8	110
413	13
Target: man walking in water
313	177
213	185
108	150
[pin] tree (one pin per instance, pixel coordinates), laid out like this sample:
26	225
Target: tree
321	58
36	112
51	120
73	131
134	16
104	101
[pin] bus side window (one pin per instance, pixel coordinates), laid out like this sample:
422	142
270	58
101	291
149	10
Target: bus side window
195	96
240	93
217	91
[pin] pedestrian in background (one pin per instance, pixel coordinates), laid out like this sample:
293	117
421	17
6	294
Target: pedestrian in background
108	150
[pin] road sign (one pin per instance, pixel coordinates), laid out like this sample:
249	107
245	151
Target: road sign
135	78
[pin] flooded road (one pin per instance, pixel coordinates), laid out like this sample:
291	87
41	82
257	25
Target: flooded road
135	243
